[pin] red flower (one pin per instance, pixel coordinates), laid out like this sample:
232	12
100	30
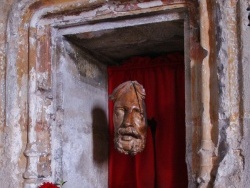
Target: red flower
48	185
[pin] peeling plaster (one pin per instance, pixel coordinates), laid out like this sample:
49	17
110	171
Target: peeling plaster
150	4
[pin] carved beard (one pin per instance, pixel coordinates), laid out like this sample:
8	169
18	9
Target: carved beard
129	141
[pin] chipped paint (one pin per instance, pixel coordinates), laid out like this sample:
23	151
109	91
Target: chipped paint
150	4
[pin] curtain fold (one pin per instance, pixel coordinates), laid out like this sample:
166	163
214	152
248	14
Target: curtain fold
162	163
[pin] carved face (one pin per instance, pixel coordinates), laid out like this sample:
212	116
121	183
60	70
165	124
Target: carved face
130	123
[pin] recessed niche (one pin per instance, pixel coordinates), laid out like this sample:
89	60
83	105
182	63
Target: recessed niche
83	76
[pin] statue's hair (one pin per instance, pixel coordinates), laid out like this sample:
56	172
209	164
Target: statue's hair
126	86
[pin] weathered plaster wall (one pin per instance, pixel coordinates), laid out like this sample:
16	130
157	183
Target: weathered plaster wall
244	33
85	124
230	164
12	160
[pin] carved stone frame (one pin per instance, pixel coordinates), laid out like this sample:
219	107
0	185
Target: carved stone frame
30	72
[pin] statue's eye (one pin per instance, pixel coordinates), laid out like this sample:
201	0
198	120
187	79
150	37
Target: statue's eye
137	110
138	113
119	111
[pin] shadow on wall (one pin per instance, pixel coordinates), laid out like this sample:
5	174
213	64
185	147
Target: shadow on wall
100	135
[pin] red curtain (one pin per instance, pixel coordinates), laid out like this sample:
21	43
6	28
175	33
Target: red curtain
162	163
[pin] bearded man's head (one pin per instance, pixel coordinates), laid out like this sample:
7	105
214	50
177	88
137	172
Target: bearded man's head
129	117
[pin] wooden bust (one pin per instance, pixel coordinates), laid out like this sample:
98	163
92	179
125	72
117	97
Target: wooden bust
129	117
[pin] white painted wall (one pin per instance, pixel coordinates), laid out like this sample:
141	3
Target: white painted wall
85	124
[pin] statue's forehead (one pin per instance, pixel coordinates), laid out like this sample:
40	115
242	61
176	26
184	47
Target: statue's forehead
129	102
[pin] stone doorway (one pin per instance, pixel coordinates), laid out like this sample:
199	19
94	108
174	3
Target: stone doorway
54	60
32	91
85	53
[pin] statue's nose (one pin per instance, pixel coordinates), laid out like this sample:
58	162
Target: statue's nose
128	119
